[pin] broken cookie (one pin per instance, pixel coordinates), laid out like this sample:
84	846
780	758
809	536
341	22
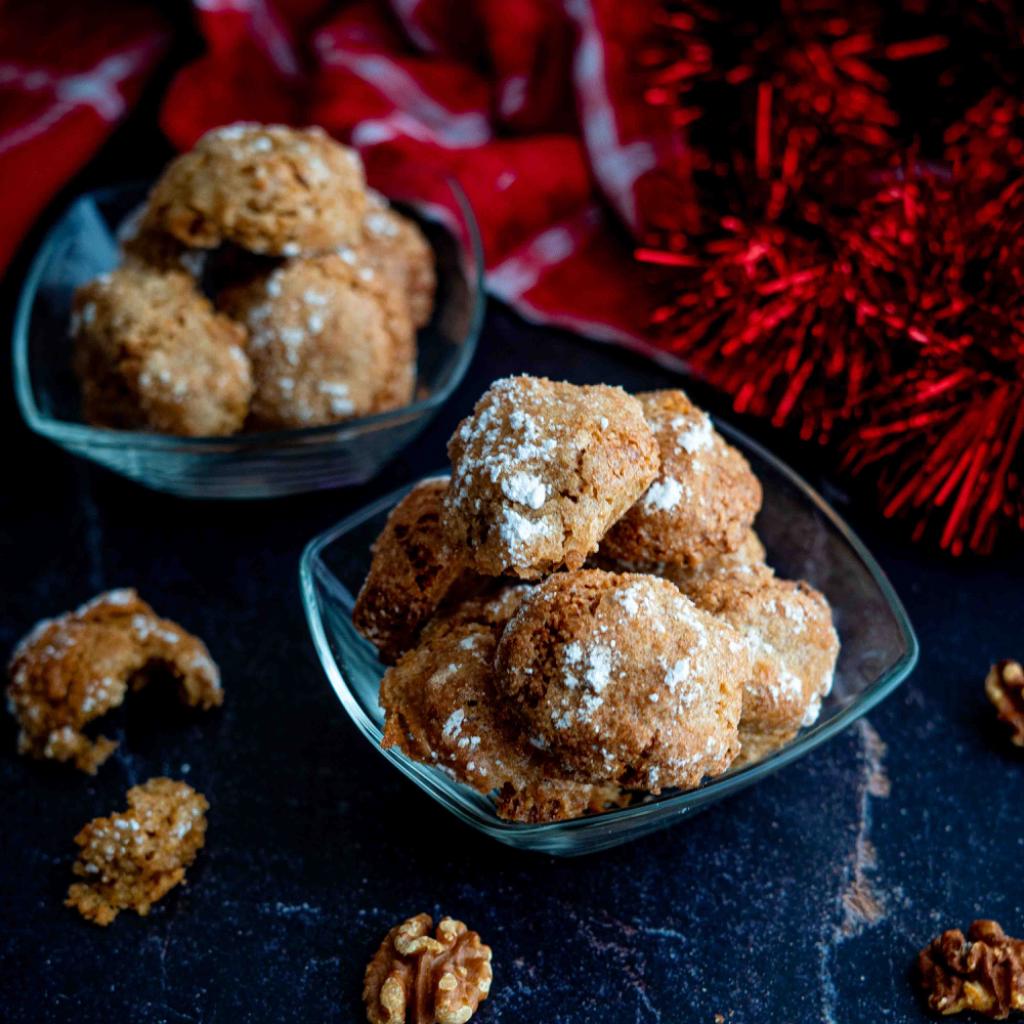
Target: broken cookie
75	668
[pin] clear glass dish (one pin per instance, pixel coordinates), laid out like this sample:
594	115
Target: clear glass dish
258	465
805	539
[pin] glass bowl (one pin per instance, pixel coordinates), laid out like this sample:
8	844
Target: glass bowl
82	244
804	538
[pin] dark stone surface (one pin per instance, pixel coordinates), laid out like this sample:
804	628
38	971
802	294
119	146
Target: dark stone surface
803	899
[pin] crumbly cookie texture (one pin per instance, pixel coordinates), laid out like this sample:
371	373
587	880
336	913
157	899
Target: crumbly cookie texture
413	570
788	628
703	501
73	669
152	354
150	248
541	469
131	859
625	679
419	978
270	189
397	250
442	709
749	557
329	339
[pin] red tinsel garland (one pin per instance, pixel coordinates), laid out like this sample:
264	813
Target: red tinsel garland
833	274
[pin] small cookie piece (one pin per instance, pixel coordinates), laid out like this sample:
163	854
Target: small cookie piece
413	570
541	469
794	646
702	503
442	709
625	679
397	250
135	857
75	668
152	354
268	188
328	340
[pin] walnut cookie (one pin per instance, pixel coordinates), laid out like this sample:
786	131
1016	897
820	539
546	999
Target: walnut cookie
625	678
396	249
443	708
151	353
788	629
328	340
267	188
414	569
541	469
73	669
702	503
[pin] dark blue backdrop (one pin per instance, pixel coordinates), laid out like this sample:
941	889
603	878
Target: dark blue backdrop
754	910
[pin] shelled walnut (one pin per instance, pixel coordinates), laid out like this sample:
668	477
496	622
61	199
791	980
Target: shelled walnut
983	972
416	978
1005	688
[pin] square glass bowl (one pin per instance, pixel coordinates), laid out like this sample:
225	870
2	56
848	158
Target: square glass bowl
804	538
82	244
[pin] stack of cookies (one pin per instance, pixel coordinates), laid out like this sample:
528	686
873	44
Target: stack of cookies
262	286
583	607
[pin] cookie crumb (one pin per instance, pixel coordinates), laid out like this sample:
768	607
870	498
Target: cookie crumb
133	858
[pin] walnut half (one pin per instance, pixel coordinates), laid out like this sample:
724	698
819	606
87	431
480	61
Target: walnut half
983	972
416	978
1005	688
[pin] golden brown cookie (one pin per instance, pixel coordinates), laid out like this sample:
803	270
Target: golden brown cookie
749	557
133	858
413	570
702	503
794	646
152	354
328	340
397	250
270	189
442	709
150	248
625	679
541	469
73	669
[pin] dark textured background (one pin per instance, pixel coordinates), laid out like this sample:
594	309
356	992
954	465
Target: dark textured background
759	910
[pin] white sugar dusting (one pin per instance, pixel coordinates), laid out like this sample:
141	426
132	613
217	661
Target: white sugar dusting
453	725
694	437
518	532
663	495
525	489
812	712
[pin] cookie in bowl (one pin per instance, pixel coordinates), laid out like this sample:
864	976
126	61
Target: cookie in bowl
151	353
703	501
541	469
270	189
328	340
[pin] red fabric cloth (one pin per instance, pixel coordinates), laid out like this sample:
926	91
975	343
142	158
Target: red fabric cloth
526	102
68	73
